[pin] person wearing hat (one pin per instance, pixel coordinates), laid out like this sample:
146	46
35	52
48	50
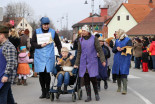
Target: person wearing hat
23	65
103	69
75	45
110	59
112	44
44	56
87	60
8	66
121	63
66	59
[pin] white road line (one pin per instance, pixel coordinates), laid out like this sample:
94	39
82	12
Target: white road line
132	76
141	96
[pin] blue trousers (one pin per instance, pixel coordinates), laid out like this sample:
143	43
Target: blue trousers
153	61
64	79
6	96
137	62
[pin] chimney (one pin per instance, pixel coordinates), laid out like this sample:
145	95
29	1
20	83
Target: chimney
151	4
104	12
150	1
90	14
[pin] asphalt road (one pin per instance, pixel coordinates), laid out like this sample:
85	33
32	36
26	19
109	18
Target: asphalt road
141	90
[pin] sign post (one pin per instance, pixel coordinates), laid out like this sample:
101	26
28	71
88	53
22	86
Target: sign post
1	14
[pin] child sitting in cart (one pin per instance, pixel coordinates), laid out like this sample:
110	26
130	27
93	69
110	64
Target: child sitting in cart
66	59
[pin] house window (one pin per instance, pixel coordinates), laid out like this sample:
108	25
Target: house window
127	17
118	18
21	24
26	25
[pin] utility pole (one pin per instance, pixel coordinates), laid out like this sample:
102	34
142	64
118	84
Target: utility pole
1	14
92	6
92	15
67	22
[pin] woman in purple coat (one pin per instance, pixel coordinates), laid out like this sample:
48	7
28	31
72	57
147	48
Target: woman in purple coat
87	60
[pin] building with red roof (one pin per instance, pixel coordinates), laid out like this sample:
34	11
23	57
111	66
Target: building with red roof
145	27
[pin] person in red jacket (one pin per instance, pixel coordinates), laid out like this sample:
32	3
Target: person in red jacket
152	50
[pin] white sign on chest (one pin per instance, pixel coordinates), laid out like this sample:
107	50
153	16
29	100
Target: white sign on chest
44	38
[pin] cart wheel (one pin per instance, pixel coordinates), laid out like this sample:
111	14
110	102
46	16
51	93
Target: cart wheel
73	96
57	95
79	94
52	96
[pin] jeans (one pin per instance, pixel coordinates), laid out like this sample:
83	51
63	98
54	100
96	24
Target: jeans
64	79
6	96
137	62
153	61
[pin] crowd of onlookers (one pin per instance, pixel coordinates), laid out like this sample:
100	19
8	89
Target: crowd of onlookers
144	53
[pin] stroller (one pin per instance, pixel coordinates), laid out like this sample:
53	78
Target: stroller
74	84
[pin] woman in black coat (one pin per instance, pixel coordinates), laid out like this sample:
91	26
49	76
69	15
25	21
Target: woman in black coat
14	38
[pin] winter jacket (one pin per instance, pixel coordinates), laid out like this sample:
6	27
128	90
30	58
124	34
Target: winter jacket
15	41
145	56
24	40
24	58
137	49
152	48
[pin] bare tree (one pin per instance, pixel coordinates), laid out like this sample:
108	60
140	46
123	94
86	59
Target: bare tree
113	5
66	33
20	9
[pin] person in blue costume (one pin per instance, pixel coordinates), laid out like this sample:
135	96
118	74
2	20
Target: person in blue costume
122	63
44	55
8	66
103	69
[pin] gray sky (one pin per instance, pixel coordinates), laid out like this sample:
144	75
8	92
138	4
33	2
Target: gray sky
55	9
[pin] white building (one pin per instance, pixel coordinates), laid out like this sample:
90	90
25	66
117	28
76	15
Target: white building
23	24
19	23
126	17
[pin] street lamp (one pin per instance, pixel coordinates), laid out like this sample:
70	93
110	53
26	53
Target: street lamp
60	21
92	6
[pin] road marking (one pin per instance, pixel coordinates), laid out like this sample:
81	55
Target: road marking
132	76
141	96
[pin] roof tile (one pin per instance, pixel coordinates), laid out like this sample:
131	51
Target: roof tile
146	27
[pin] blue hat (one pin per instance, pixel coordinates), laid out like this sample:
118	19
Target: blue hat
22	47
44	20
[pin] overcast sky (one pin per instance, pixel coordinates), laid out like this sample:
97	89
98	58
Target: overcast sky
55	9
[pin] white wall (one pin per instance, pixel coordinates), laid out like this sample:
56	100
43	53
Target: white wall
25	27
124	24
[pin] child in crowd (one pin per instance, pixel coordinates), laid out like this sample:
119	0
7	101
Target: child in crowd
103	69
145	60
64	76
23	66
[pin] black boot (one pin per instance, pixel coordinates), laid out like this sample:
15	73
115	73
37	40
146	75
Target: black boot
19	82
96	90
105	84
65	88
97	97
59	89
47	94
43	94
88	99
25	83
88	90
98	85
